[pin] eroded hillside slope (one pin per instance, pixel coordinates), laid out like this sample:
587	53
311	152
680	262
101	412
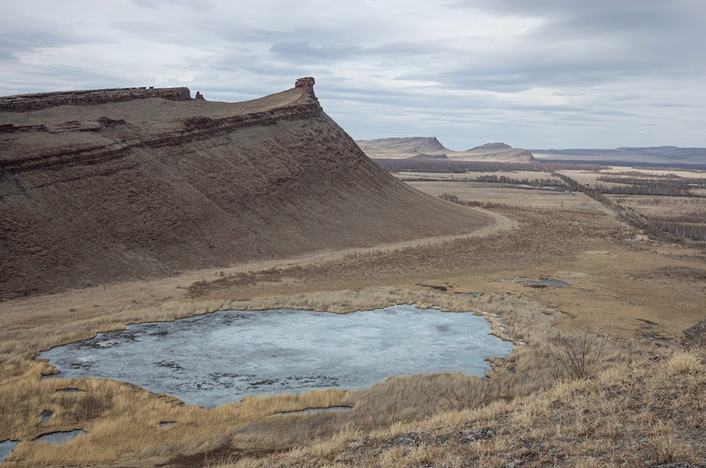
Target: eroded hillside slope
122	184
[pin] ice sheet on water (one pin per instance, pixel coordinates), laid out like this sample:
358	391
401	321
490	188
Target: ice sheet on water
224	356
6	448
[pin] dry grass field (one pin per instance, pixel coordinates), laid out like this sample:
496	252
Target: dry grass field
681	173
483	192
664	207
638	294
530	175
588	177
647	414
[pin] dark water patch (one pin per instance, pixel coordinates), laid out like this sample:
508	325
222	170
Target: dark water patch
46	415
167	424
70	390
328	409
544	282
224	356
436	287
471	294
51	376
58	438
647	323
6	448
552	283
659	339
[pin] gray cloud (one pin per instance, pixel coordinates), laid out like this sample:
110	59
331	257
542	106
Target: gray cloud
533	72
194	5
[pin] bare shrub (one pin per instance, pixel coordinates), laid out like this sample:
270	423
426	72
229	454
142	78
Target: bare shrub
577	357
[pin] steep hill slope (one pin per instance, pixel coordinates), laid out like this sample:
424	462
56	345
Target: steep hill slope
109	185
398	148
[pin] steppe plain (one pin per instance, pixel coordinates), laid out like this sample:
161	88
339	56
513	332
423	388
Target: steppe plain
638	401
624	285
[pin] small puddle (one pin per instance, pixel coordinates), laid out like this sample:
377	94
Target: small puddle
167	424
58	438
46	415
70	390
553	283
472	294
51	377
543	282
328	409
6	448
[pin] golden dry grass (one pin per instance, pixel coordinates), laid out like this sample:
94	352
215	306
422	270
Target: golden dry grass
585	249
661	206
640	414
118	418
530	175
520	197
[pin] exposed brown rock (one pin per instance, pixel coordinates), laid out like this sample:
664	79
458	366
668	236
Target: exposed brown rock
307	82
696	335
31	102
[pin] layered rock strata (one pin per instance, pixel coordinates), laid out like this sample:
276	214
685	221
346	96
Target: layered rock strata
154	186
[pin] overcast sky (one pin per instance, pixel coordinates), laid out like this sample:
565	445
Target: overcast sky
531	73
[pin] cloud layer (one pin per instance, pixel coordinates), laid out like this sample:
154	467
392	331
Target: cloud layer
532	73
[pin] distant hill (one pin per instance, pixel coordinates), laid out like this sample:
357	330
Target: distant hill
402	148
399	148
495	152
660	155
138	183
491	147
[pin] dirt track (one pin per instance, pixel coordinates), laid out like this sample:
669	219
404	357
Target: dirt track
587	250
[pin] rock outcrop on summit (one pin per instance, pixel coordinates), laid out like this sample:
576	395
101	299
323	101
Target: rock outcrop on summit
140	183
413	147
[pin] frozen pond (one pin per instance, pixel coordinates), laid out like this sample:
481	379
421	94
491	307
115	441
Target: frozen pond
6	448
221	357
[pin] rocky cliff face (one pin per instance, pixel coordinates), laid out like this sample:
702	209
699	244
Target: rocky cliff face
94	192
30	102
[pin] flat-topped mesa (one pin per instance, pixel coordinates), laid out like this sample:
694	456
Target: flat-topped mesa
38	101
